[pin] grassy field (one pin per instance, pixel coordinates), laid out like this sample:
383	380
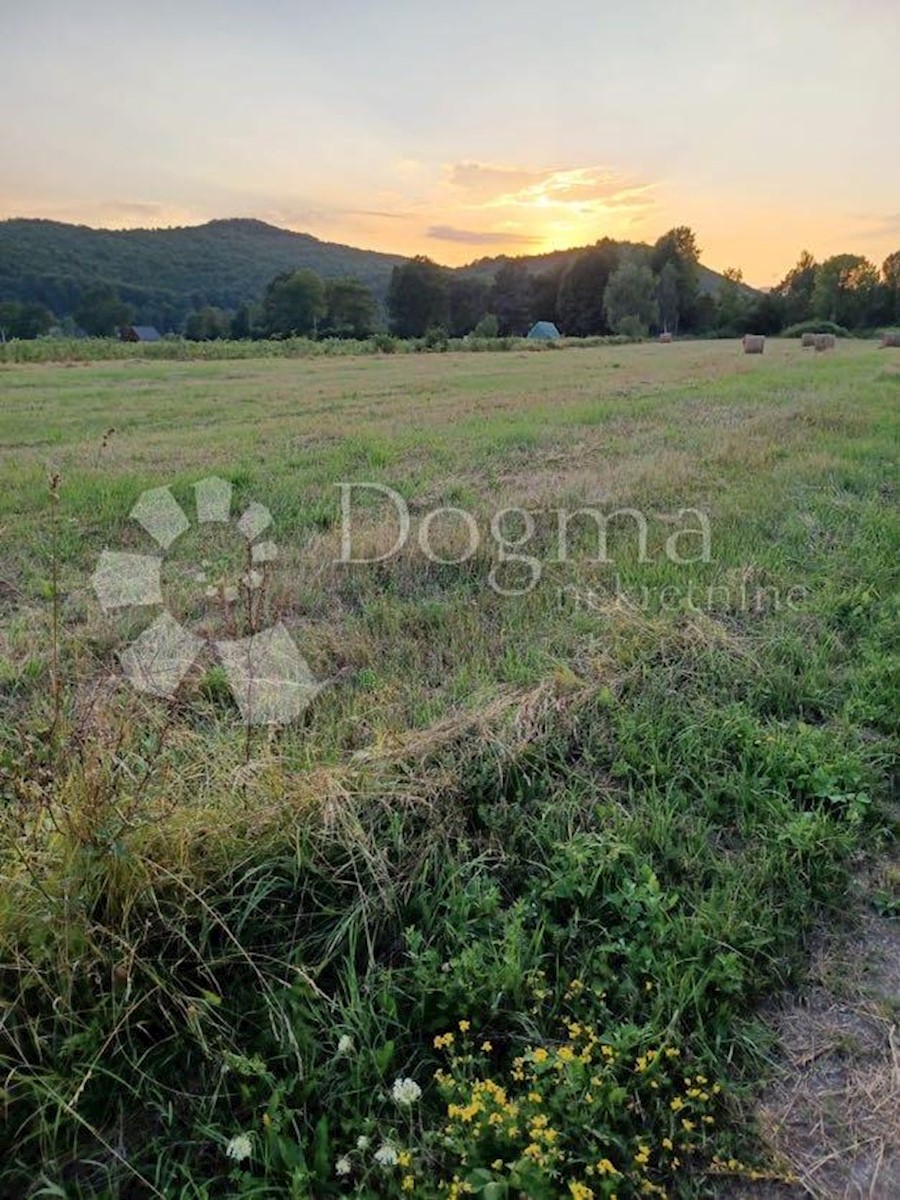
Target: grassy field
496	914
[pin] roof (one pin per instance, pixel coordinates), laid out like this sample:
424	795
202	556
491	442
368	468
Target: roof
145	333
543	329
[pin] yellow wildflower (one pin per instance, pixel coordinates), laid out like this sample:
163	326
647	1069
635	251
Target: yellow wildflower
580	1191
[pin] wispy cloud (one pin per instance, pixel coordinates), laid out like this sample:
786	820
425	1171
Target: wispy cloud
478	237
375	212
585	189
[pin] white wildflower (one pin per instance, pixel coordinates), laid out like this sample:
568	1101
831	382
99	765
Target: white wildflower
362	1142
406	1092
343	1166
345	1044
386	1155
239	1148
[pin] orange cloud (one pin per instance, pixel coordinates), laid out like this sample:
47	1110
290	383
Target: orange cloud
506	186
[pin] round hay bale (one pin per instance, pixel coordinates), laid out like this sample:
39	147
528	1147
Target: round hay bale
754	343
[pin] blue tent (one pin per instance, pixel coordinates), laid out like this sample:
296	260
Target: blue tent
544	329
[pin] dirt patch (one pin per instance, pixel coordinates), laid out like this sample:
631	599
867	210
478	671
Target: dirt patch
831	1114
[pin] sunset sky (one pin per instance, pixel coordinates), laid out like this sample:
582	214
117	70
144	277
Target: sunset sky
460	130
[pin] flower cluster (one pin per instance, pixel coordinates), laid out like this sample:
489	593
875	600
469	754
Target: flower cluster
406	1092
387	1155
239	1147
572	1116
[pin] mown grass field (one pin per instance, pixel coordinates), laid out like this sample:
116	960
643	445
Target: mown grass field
585	828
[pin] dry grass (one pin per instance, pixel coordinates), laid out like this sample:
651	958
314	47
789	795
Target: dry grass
832	1113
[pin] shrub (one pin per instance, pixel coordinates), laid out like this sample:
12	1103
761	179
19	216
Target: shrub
385	343
631	327
487	327
814	326
436	338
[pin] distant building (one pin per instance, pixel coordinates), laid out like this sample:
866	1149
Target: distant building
545	330
139	333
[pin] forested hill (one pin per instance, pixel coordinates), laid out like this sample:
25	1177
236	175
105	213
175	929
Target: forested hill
166	272
556	261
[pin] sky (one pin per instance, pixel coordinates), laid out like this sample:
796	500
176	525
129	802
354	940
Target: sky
466	129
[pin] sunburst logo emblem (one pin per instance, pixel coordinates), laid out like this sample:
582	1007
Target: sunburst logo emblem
266	673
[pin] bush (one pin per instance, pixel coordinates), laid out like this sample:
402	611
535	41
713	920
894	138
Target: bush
795	331
631	327
487	327
436	338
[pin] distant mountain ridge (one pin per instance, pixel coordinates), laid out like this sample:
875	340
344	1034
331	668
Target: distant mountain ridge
166	273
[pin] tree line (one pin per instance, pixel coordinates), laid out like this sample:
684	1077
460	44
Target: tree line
605	289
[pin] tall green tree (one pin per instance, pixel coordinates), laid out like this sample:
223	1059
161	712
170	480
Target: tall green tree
846	290
241	323
350	308
468	302
890	277
733	305
24	320
581	290
101	311
796	289
678	248
667	297
417	297
544	295
511	298
630	299
766	314
294	303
